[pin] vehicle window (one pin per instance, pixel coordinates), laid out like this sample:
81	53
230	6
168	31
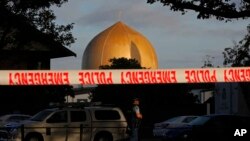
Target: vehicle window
200	120
17	118
25	117
40	116
107	115
77	116
173	119
188	119
218	122
58	117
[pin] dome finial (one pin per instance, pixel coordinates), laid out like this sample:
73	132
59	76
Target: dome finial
120	16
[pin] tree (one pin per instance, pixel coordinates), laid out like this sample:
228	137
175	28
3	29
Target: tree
122	63
221	9
238	55
208	63
36	14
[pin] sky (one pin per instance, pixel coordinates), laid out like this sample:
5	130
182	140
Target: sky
180	41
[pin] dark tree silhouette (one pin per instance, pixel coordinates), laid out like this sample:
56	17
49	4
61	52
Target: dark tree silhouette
122	63
238	55
34	13
221	9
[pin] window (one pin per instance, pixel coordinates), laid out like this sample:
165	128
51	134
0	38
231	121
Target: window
200	120
77	116
107	115
18	118
188	119
41	115
58	117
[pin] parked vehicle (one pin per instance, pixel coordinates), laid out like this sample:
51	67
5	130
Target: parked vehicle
97	123
9	120
218	127
12	118
169	129
210	127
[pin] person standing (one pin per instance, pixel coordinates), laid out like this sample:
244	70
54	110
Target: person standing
135	120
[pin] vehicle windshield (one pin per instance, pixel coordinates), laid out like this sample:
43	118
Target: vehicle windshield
188	119
16	118
174	119
41	115
200	120
181	119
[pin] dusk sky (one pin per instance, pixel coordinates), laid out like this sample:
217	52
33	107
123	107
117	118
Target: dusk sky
180	41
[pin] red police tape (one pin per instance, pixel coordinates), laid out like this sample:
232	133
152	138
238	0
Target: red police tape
126	76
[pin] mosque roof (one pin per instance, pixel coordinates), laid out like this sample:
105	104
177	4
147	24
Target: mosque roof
117	41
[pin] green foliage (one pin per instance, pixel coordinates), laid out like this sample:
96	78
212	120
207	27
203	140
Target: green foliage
37	14
122	63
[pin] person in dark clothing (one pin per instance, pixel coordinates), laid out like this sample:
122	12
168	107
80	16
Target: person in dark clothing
136	118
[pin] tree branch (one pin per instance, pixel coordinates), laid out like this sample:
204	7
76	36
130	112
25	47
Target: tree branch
220	10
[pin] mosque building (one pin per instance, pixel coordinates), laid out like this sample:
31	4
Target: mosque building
120	40
117	41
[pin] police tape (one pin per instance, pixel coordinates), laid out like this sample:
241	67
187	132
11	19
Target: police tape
124	76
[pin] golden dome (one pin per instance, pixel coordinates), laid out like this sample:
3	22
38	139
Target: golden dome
119	40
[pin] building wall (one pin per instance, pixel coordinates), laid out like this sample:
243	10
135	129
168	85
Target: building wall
78	98
229	99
